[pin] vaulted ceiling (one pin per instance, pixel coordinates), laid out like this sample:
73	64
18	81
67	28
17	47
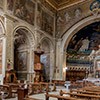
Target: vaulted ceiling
60	4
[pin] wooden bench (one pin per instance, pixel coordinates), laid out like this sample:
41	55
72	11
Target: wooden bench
85	92
81	95
40	87
59	97
58	82
30	98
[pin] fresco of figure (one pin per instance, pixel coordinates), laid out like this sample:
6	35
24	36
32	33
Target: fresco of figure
78	13
85	44
67	17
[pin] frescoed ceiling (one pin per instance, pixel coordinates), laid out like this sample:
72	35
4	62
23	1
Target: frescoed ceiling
59	4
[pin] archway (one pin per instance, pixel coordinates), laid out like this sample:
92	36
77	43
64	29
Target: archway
23	46
71	33
47	58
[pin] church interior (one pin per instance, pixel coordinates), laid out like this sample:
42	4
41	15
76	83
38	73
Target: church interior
49	49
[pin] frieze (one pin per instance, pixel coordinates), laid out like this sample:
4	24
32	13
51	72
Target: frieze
69	16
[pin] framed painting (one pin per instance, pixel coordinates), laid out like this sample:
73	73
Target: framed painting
47	23
24	9
22	61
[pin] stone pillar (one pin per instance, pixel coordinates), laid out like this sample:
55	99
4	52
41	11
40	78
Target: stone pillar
59	57
64	65
51	64
31	66
10	43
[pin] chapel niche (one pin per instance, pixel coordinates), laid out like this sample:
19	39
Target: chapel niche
79	49
21	53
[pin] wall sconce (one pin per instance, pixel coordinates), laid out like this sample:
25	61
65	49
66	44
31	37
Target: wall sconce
65	68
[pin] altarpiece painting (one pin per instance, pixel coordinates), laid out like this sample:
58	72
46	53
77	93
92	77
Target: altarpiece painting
22	61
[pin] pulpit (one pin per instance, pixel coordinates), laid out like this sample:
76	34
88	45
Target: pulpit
38	67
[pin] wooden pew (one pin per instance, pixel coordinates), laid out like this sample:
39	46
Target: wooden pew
85	92
81	95
40	87
93	89
30	98
59	97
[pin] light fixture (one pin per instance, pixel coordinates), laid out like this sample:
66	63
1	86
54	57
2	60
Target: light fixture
65	68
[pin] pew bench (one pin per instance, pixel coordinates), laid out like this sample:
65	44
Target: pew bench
81	95
30	98
59	97
85	92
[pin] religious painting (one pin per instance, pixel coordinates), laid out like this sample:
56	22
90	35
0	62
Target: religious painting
45	20
47	23
1	47
39	15
45	59
22	61
1	3
25	10
83	43
10	4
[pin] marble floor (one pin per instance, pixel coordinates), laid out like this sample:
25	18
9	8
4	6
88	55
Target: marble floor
42	95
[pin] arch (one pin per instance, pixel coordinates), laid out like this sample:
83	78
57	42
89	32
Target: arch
71	32
48	58
74	29
30	36
23	53
49	41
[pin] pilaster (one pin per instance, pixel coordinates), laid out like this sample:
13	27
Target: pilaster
10	43
59	60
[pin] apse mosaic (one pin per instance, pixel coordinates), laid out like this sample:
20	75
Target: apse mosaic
83	43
